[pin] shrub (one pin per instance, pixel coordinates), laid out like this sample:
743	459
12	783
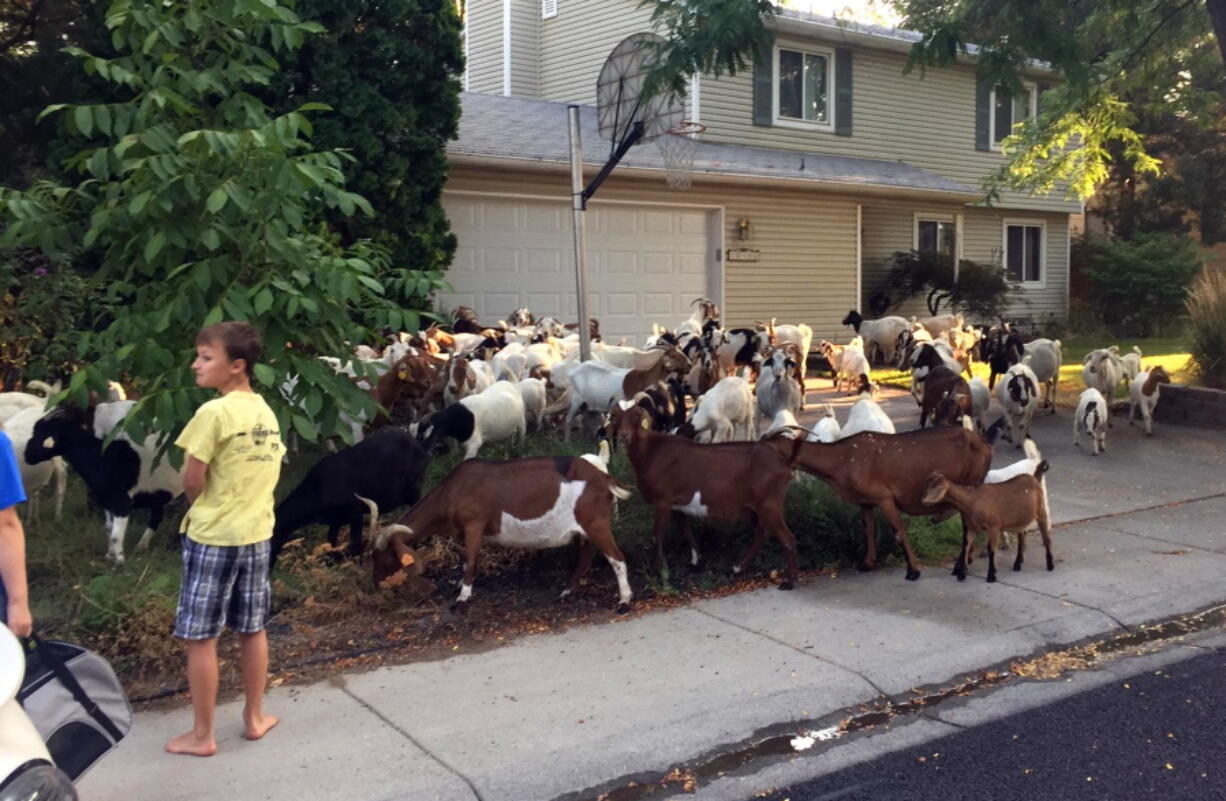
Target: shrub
1139	286
978	290
1206	305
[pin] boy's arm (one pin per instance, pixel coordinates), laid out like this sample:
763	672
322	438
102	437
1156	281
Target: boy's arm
194	478
13	572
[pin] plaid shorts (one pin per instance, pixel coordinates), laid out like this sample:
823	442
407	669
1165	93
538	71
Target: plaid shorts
222	584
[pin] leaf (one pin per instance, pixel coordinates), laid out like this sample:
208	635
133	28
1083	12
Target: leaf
265	375
314	107
84	119
217	200
262	301
139	202
210	239
305	428
103	118
155	245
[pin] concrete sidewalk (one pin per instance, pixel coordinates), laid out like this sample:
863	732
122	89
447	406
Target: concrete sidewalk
553	714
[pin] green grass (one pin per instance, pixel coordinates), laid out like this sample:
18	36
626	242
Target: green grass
127	611
1170	352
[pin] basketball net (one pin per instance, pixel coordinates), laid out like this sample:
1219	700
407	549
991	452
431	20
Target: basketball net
677	147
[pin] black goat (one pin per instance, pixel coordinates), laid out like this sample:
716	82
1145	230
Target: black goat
387	467
1001	349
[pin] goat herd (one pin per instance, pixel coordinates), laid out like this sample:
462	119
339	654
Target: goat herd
479	384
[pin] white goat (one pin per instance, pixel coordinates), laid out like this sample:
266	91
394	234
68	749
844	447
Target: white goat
1018	393
1131	364
880	335
777	388
1044	357
940	324
494	414
1102	369
725	413
981	398
867	415
1143	395
532	390
827	428
783	424
1091	418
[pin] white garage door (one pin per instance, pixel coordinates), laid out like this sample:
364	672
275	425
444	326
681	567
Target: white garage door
645	263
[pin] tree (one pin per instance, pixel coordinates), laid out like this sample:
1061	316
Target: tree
1115	60
976	290
199	205
705	37
388	69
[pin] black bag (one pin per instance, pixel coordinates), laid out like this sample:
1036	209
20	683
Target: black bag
75	701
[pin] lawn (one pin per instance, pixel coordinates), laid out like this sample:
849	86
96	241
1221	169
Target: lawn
329	612
1170	352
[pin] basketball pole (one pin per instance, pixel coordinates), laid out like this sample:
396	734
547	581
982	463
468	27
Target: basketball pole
578	207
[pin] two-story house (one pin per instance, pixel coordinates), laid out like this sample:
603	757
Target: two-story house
814	168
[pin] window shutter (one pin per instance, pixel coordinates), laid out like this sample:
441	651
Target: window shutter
983	111
763	90
549	8
842	91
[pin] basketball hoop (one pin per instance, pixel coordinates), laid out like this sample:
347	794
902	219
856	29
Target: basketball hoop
677	146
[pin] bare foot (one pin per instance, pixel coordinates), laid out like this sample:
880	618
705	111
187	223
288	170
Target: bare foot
192	745
255	728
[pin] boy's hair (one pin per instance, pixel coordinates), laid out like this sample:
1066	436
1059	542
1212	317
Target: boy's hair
240	340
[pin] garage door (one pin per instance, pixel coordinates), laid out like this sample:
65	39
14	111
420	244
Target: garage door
645	264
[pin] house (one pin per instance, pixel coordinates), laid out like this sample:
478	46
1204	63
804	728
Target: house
813	169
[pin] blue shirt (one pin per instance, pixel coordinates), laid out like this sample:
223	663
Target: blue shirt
12	491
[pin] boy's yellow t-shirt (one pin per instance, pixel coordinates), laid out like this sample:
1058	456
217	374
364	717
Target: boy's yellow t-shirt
237	436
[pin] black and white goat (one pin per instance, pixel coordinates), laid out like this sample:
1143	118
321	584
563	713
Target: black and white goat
121	477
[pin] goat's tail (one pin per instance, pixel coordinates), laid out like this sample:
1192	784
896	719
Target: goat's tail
1031	450
1041	468
829	410
618	491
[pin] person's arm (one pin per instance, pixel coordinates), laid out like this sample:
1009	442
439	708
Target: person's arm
194	478
13	572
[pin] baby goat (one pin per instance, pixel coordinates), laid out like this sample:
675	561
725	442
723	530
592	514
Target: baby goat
1091	418
1015	505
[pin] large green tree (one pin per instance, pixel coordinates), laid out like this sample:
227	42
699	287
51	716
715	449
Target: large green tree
389	70
197	204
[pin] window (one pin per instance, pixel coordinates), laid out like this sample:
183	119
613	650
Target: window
1008	110
803	87
1024	252
938	235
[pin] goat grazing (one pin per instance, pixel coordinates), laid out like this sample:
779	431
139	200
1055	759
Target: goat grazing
724	414
1091	418
866	415
1014	506
1143	395
535	503
120	478
493	415
387	467
682	479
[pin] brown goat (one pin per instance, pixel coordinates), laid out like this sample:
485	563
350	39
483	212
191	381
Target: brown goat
680	478
947	397
411	373
535	503
1010	506
888	472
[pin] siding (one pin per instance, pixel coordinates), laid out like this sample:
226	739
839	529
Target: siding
525	47
575	44
928	121
807	241
983	234
485	46
889	226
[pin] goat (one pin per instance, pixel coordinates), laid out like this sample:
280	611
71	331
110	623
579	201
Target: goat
532	390
724	414
889	471
120	477
981	399
827	427
547	327
880	336
855	369
777	387
1025	466
13	402
495	414
783	424
387	467
939	324
1143	395
741	347
947	398
464	378
908	341
1018	395
1015	505
705	311
1001	349
664	402
866	415
1102	370
521	317
927	357
704	372
596	386
534	503
464	321
1091	418
682	479
1043	357
1130	364
20	429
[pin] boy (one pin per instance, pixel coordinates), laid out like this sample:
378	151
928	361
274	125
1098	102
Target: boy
233	451
14	603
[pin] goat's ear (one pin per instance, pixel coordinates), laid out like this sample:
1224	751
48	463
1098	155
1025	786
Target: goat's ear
645	422
1030	384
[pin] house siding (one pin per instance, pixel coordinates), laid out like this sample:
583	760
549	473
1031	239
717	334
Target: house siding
889	226
575	44
927	121
984	234
525	47
484	56
807	241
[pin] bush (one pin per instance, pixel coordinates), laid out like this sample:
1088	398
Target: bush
1138	287
1206	305
978	290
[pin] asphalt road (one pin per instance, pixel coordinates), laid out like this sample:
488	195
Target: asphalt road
1158	735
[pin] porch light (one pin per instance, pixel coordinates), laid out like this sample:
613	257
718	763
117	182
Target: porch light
742	227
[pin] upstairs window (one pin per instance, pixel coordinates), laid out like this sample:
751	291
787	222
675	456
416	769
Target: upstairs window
1008	110
803	87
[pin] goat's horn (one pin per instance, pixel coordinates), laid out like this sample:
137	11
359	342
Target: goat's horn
374	534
